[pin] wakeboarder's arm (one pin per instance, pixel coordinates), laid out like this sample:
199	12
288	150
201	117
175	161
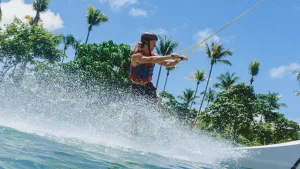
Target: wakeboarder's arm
138	58
172	62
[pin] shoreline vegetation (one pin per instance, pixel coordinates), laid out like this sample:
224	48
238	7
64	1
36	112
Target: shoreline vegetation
227	109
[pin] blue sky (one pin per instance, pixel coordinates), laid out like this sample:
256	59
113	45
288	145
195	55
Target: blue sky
269	34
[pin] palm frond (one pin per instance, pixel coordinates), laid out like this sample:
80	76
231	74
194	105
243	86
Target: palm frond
190	78
254	68
207	50
224	61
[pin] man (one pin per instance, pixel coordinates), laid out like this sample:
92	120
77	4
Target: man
142	62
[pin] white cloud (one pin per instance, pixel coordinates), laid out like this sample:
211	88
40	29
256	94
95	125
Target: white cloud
138	12
280	71
117	4
203	34
19	9
159	31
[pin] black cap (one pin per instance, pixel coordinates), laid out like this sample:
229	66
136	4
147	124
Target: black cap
147	36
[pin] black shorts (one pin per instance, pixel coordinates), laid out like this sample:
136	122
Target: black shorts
147	91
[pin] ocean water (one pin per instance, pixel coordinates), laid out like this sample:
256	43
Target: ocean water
40	128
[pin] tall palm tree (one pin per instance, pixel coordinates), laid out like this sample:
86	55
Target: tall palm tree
94	18
210	96
215	54
226	81
272	99
76	46
166	47
68	40
187	96
253	70
198	77
39	6
168	68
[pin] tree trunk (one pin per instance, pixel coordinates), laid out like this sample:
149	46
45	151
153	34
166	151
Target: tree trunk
166	80
62	60
211	67
194	94
87	37
158	77
251	80
195	120
37	16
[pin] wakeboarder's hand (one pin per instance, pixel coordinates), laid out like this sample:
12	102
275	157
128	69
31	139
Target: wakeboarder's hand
175	56
183	58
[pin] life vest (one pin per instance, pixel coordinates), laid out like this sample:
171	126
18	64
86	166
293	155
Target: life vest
142	73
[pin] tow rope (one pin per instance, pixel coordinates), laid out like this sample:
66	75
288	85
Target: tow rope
229	23
191	126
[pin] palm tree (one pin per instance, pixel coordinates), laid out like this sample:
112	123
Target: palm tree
68	40
168	68
226	80
166	47
272	100
94	18
76	46
253	70
39	6
187	97
198	77
210	96
215	54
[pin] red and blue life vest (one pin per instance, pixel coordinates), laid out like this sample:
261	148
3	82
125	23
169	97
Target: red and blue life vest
142	73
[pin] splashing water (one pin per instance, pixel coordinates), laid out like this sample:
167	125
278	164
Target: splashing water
124	129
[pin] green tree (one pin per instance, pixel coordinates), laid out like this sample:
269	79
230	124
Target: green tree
39	6
215	54
168	102
267	104
22	43
94	18
198	77
168	68
76	45
210	96
233	109
226	81
166	47
285	130
187	96
101	64
253	70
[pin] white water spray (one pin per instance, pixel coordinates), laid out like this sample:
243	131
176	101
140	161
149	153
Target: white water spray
71	115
